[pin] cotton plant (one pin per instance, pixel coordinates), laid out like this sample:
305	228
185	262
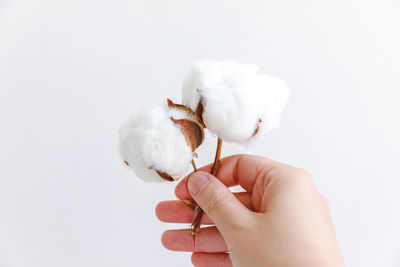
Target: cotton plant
233	101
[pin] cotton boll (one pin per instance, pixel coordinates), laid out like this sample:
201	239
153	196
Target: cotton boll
238	102
151	142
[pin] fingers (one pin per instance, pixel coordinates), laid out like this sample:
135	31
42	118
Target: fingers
241	170
221	206
174	211
209	259
207	240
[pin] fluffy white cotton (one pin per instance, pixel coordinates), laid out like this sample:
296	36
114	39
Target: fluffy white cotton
179	114
150	141
235	96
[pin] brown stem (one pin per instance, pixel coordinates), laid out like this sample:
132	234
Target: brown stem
195	227
189	203
194	165
214	169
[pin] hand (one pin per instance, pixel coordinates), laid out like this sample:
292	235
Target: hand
281	219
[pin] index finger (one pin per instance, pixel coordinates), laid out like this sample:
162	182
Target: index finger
242	169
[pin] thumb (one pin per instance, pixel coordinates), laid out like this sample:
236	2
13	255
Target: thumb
215	199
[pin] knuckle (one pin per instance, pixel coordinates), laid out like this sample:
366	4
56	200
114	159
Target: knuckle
324	201
302	176
303	173
301	179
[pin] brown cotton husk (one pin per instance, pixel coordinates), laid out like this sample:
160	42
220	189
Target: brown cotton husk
171	104
127	164
166	176
257	128
200	112
192	130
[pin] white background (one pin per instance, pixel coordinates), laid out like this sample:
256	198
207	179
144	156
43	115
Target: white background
72	71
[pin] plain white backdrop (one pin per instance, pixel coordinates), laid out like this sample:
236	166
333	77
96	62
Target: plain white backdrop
72	71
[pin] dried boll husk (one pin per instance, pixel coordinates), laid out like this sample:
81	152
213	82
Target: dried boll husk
192	130
200	113
185	109
154	147
234	101
188	123
167	177
257	129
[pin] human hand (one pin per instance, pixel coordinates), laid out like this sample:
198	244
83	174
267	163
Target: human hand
281	219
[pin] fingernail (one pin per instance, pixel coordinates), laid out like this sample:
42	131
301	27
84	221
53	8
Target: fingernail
196	182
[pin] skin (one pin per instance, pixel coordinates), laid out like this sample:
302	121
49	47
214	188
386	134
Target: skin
280	220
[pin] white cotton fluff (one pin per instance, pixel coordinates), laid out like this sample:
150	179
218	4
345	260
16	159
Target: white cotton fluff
235	96
150	141
179	114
